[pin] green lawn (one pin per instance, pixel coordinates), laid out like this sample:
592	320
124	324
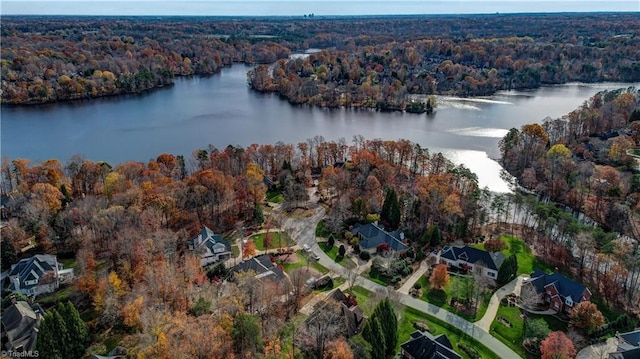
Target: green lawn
384	281
321	230
235	250
302	263
333	254
512	336
362	296
436	327
442	298
527	262
68	262
338	281
275	197
278	239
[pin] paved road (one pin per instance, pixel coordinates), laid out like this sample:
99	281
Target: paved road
302	230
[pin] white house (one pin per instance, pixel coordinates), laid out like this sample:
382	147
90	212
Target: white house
210	246
469	258
35	275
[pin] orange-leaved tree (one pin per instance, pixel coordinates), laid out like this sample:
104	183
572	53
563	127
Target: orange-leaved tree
557	346
586	316
439	279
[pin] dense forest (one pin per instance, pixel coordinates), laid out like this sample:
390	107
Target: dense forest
389	63
128	226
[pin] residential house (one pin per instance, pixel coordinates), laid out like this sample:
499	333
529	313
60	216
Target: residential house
210	247
423	345
469	258
20	326
35	275
560	292
372	235
262	266
628	346
353	315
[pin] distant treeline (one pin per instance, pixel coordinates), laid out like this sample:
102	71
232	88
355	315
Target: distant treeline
377	62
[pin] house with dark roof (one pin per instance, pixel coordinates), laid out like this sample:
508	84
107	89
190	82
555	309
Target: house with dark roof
353	315
210	246
469	258
423	345
628	346
20	326
371	235
560	292
262	266
35	275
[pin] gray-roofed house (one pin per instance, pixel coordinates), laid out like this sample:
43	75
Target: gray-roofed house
35	275
210	246
560	292
371	235
262	266
628	346
20	326
468	258
353	315
423	345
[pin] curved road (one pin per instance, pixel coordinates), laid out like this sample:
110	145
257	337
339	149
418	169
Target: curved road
302	230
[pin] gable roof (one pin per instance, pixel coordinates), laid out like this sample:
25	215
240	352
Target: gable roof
630	340
262	266
32	268
20	322
208	238
373	235
566	287
492	260
423	345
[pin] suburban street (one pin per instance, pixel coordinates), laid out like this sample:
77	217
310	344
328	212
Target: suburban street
302	231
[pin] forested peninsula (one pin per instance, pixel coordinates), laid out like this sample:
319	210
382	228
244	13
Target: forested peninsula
388	63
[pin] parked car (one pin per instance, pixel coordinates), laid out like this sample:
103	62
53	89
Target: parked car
306	247
315	256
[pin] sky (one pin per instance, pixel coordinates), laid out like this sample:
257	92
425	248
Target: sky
300	7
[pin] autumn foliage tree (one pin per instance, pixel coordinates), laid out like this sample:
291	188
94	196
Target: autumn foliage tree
585	316
439	278
557	346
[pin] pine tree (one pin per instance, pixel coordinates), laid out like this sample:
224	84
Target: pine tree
389	324
508	270
372	333
391	209
51	336
77	332
435	236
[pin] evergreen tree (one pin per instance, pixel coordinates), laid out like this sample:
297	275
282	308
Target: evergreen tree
389	324
372	333
360	348
342	250
331	241
246	333
77	332
258	216
8	253
62	333
508	270
391	209
435	238
52	335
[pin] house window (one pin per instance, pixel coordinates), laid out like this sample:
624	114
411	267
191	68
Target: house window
555	305
491	274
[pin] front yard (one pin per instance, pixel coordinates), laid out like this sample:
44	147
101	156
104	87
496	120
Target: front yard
333	254
409	316
302	262
442	298
508	327
274	240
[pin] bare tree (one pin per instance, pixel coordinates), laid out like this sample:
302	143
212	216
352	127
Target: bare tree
352	276
529	299
323	325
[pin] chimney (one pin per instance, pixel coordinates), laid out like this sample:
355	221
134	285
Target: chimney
402	236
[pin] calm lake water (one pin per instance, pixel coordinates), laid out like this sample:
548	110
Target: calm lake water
221	110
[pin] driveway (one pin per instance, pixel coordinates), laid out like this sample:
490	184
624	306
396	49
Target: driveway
511	287
302	230
599	351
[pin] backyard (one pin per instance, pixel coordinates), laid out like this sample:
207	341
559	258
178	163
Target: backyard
527	261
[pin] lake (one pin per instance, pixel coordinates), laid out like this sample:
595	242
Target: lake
222	110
